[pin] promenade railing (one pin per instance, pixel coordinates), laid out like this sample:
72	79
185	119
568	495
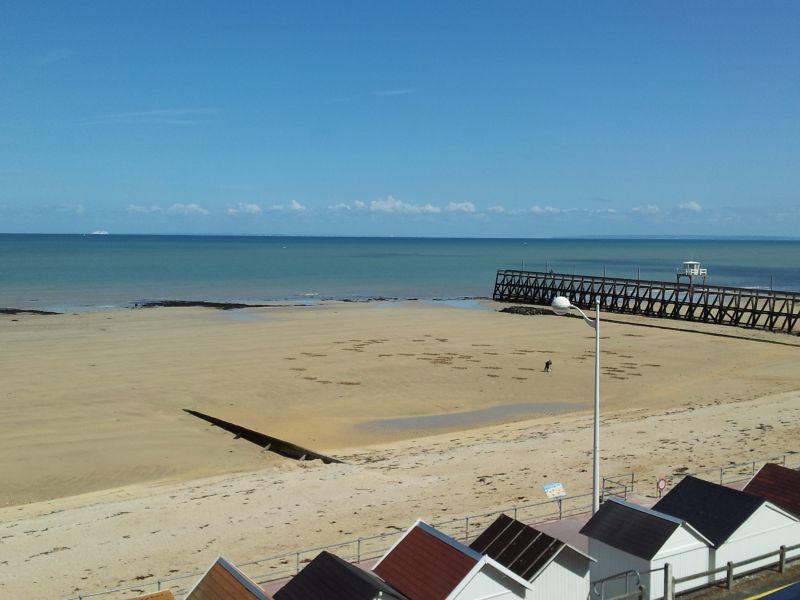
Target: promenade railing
362	549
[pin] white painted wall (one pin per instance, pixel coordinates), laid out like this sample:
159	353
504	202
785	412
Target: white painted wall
687	553
767	529
565	578
611	561
486	583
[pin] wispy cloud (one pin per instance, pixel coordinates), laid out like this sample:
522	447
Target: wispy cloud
179	208
548	210
646	209
244	208
54	56
186	209
138	209
163	116
460	207
387	205
392	205
293	206
690	207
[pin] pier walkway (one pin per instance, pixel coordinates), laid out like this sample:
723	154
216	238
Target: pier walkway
771	310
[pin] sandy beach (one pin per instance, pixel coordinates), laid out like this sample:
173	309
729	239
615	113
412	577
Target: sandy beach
438	411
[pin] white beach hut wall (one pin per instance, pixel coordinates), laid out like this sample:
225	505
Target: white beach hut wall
739	525
627	538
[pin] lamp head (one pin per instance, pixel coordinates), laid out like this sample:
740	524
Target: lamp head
560	305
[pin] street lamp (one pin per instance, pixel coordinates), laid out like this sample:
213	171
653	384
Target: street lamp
561	306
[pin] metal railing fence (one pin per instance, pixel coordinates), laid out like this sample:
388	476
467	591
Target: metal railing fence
281	566
732	571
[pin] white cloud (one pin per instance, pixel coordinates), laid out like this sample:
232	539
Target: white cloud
547	210
293	206
392	205
186	209
144	210
690	206
244	208
496	209
463	207
646	209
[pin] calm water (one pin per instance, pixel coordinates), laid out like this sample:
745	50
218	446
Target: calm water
75	272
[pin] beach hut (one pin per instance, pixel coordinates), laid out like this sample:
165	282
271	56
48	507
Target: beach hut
329	577
552	567
425	564
739	525
780	485
223	581
162	595
629	542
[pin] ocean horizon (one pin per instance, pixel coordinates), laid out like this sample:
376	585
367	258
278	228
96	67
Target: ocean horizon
62	272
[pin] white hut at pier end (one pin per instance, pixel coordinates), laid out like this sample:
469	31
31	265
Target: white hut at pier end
691	269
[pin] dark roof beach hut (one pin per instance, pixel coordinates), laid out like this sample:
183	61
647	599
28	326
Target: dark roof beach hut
739	525
628	538
329	577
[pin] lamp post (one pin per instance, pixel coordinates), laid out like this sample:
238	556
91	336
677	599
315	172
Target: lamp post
561	306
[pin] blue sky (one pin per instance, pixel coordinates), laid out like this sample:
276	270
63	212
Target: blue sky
491	119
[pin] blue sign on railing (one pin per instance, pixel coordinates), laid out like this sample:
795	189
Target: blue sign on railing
554	490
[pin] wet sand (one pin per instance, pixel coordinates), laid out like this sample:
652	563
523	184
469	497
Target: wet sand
437	410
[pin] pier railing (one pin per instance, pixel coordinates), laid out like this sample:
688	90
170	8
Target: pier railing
740	307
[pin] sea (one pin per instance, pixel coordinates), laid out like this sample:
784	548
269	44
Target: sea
101	272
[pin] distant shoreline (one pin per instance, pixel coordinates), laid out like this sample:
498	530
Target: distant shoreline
665	237
141	304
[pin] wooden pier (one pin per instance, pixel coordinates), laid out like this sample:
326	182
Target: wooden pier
740	307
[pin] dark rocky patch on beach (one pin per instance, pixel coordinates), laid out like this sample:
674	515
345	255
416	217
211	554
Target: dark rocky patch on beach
201	303
525	310
26	311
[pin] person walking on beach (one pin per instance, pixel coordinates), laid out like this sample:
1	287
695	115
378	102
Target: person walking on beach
548	366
